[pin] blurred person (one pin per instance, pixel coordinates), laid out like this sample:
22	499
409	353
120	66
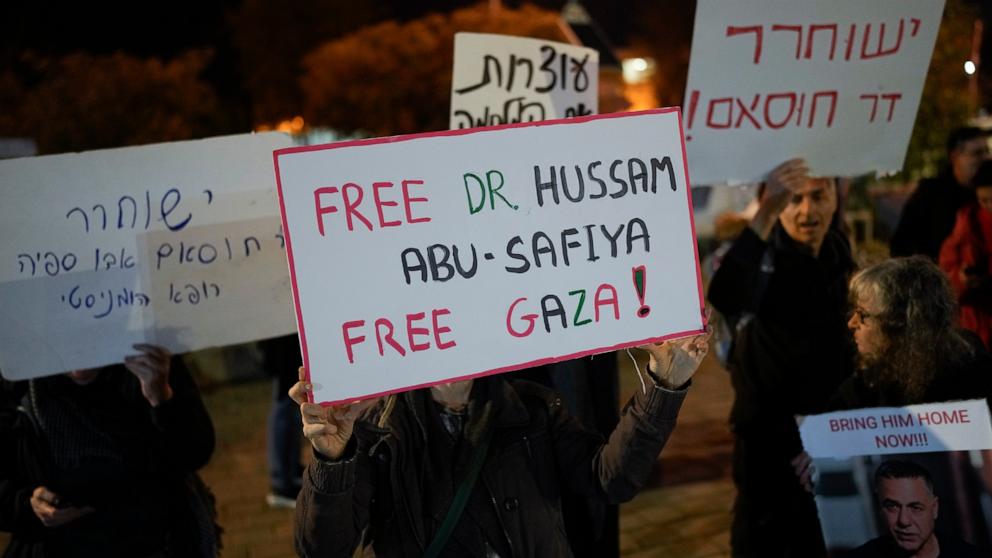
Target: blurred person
909	507
476	467
929	213
281	359
966	257
101	462
783	286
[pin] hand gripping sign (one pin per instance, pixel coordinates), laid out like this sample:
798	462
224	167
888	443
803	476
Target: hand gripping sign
423	259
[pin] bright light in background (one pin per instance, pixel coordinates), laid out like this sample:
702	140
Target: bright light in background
637	70
969	68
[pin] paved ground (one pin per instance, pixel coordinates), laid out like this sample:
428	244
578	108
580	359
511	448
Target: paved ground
684	515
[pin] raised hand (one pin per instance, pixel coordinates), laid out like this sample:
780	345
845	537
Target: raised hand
676	360
327	428
782	181
152	369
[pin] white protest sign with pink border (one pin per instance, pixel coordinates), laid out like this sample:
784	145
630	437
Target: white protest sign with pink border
836	82
937	427
423	259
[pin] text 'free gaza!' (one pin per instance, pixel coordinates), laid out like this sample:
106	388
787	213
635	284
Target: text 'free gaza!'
423	259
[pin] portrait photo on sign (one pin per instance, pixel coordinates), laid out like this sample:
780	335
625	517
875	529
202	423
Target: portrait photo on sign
906	504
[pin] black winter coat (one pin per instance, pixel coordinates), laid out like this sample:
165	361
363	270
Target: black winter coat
392	481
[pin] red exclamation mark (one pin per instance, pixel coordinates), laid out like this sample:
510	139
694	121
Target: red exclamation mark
640	286
693	102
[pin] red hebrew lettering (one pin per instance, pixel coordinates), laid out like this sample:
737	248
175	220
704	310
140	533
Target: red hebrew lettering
797	29
833	107
874	104
799	111
729	101
776	124
748	113
892	97
813	28
756	29
880	51
916	25
850	41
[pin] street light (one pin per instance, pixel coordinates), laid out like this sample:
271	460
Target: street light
969	68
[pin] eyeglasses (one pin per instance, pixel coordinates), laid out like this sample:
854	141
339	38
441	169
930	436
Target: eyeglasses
861	314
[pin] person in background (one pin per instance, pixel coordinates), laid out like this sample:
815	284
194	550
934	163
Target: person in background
475	468
101	462
783	284
281	359
966	257
929	213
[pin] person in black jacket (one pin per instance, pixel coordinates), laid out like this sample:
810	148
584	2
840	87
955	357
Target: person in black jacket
503	449
929	214
99	462
784	284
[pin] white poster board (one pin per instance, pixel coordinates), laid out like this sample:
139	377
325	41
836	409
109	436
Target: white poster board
178	244
473	252
837	82
883	474
499	79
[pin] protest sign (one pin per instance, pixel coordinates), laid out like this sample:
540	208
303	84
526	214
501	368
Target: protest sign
838	83
499	79
873	463
178	244
423	259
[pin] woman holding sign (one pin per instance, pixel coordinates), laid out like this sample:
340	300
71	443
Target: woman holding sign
475	468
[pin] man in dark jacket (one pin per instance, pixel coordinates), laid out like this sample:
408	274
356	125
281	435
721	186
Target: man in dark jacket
394	481
784	283
929	214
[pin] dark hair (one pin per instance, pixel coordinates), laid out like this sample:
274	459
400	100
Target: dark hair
901	469
959	136
983	176
918	319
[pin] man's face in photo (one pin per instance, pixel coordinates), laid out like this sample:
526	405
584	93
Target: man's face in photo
910	511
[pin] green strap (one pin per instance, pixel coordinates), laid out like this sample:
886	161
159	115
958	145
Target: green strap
460	499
